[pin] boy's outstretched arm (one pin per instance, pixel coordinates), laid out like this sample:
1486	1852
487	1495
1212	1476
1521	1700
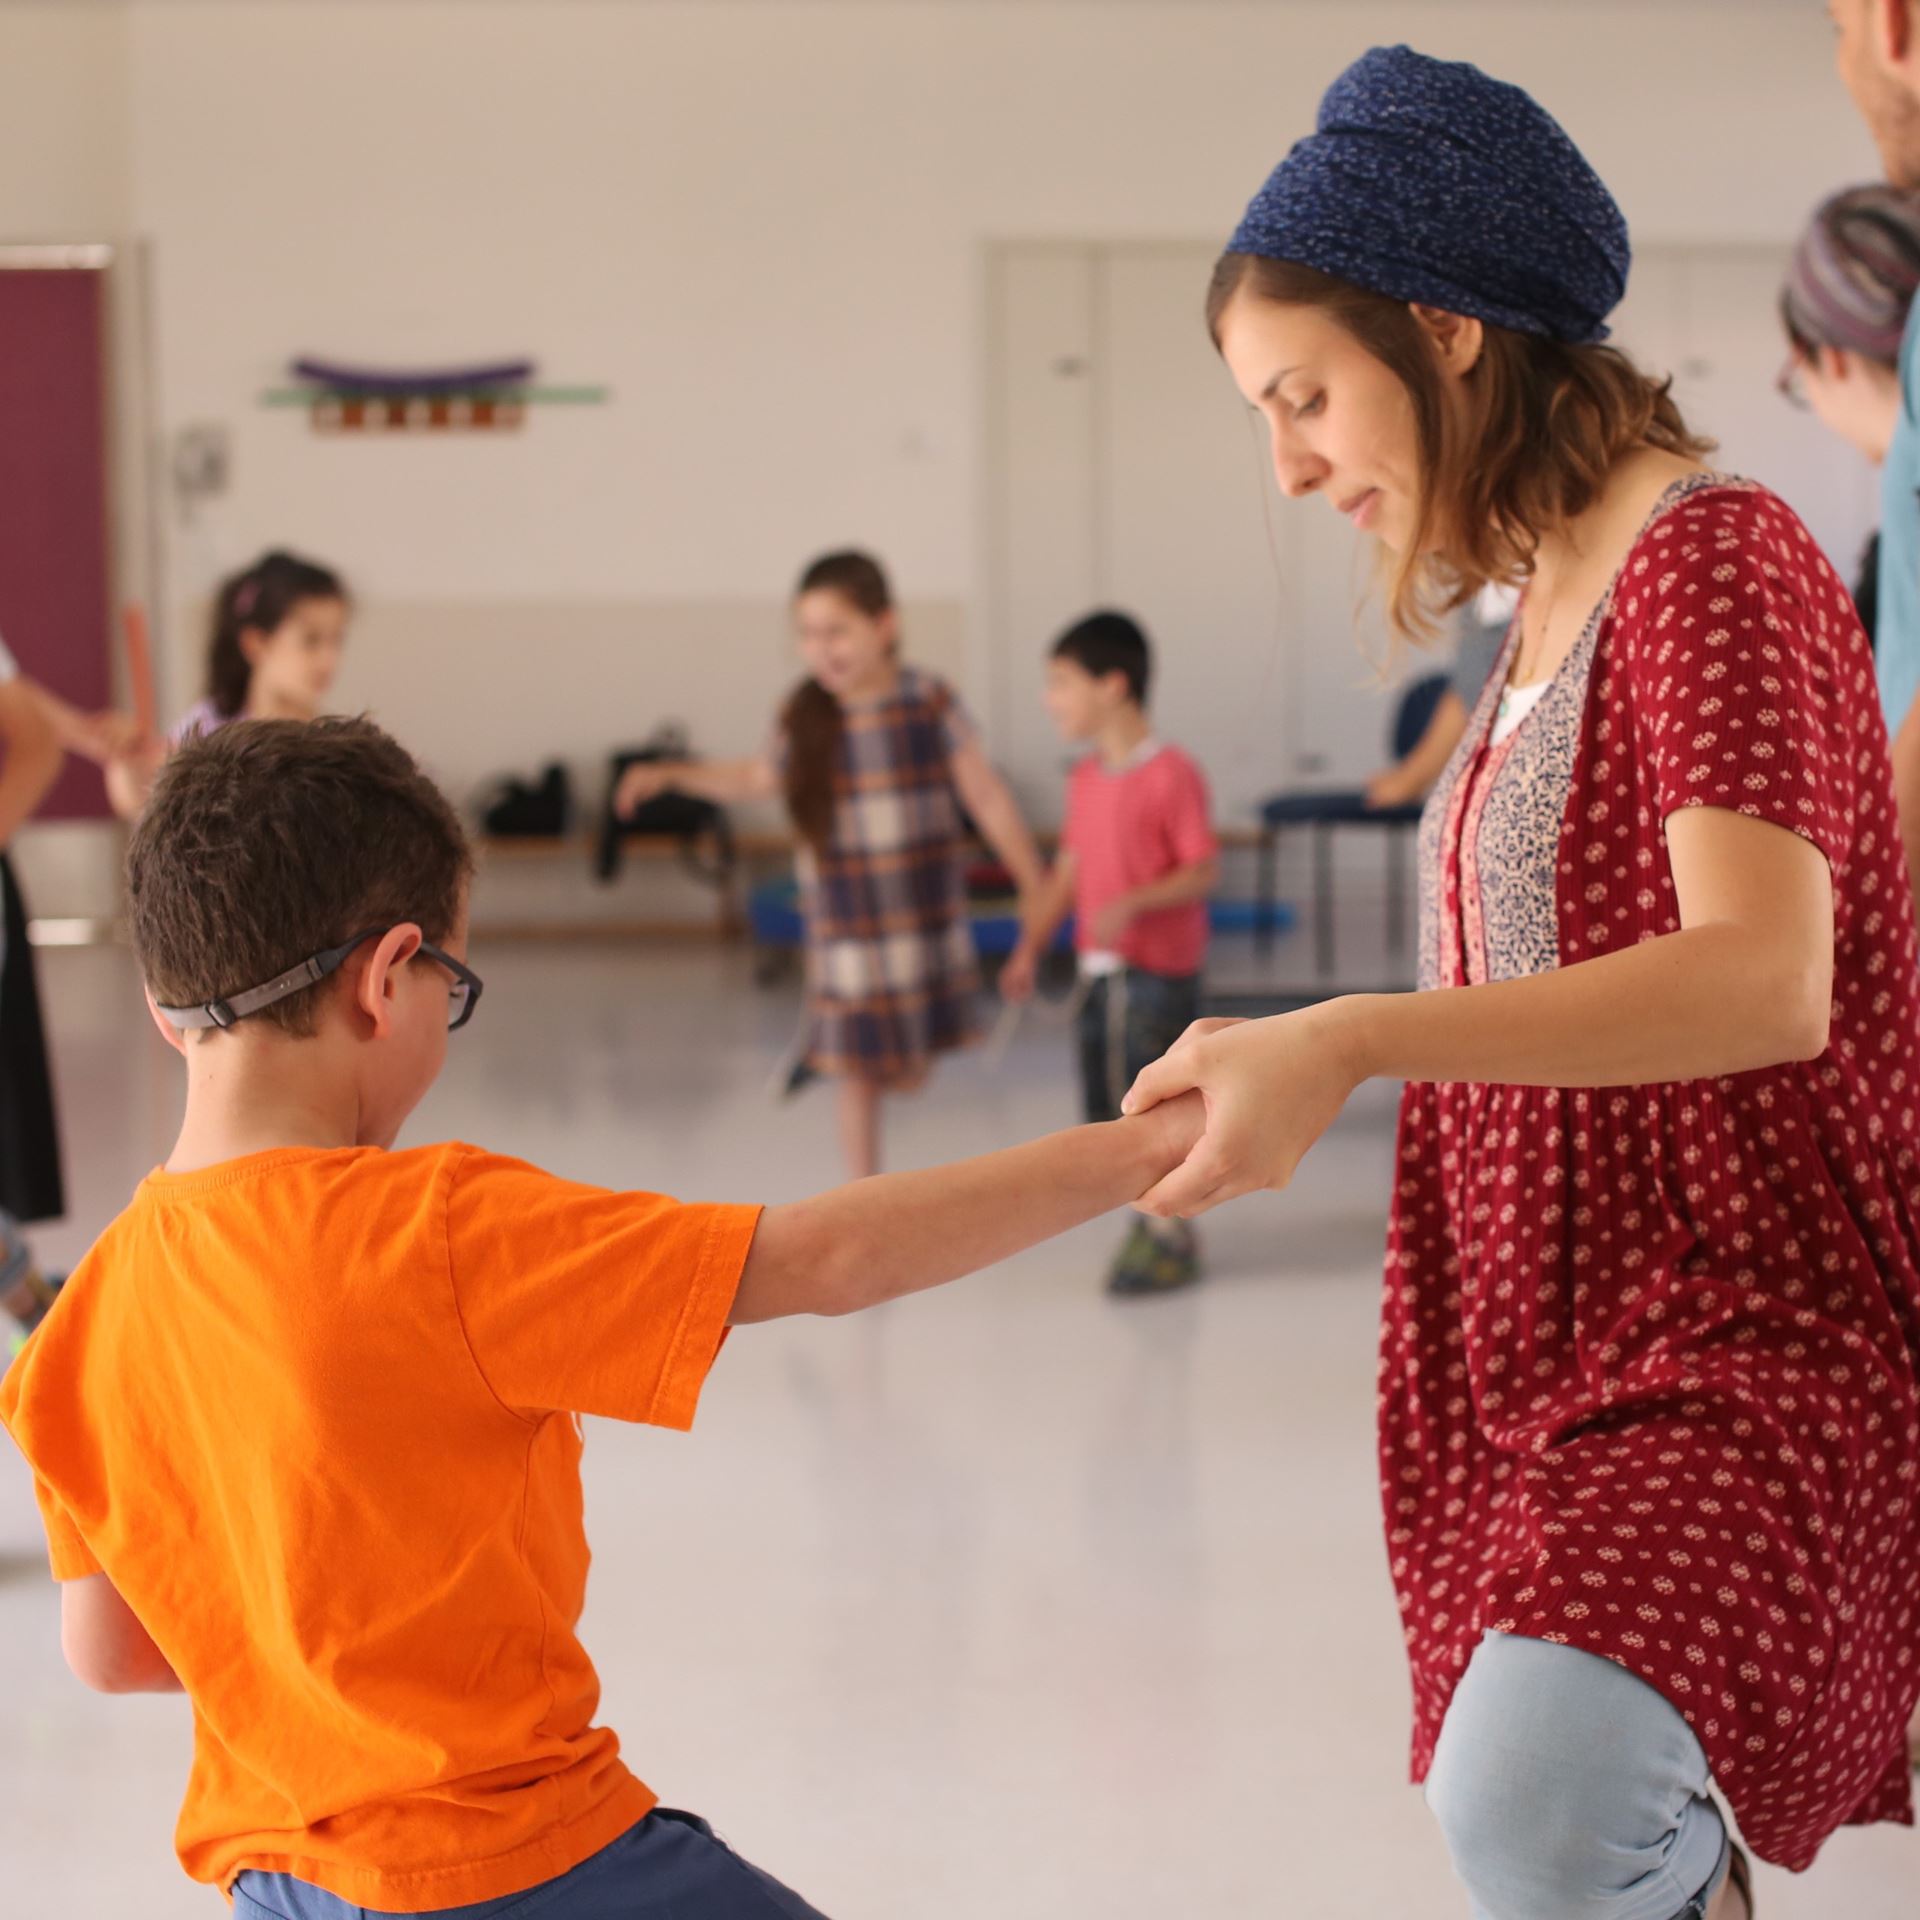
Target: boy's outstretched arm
901	1232
105	1643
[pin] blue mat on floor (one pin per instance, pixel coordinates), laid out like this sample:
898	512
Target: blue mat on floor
773	916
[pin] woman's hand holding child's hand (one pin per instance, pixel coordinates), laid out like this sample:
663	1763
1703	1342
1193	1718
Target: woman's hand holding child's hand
1181	1120
1271	1088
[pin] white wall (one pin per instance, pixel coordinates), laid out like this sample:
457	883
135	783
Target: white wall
762	224
63	123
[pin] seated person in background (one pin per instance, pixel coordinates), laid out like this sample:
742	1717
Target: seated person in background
1137	862
1844	305
304	1423
1482	634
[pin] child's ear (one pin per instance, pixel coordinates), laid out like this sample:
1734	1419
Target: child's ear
371	981
253	643
168	1031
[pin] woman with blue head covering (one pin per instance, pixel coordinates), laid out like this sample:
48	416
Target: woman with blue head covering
1650	1364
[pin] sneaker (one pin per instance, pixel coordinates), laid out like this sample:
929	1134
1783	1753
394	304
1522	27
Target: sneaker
1146	1263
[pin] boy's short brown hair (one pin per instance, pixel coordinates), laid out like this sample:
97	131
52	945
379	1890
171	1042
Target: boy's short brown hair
271	840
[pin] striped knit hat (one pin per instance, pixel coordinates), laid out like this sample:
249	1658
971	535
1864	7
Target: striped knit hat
1854	273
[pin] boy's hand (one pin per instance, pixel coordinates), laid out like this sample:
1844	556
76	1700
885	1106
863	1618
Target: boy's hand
1020	974
1272	1088
1110	924
1182	1125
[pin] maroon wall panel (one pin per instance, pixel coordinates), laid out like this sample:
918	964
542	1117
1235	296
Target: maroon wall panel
55	585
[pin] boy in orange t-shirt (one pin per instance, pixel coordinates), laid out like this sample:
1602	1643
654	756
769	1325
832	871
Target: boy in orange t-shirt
302	1425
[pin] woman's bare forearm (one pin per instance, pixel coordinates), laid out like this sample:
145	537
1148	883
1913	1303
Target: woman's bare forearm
1692	1005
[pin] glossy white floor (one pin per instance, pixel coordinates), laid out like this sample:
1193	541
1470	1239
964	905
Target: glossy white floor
1006	1601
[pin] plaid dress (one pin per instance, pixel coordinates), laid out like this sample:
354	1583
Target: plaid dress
891	975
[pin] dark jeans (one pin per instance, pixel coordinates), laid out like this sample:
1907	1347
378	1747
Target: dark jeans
1129	1020
671	1866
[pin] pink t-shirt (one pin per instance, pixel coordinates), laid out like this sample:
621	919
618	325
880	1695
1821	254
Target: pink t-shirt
1127	829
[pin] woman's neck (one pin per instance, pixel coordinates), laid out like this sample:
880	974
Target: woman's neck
1575	565
1595	538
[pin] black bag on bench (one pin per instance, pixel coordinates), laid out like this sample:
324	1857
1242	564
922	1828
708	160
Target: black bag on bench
517	811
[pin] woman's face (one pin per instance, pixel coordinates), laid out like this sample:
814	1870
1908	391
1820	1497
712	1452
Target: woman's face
846	650
1857	398
1340	422
294	666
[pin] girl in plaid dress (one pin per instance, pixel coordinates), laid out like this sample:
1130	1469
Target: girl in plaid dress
880	765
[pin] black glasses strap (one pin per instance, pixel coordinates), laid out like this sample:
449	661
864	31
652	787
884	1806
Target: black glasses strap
236	1006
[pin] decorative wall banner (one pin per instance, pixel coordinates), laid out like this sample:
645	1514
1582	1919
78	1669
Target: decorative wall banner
491	396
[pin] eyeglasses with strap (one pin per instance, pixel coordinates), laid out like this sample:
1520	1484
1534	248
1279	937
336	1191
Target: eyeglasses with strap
229	1008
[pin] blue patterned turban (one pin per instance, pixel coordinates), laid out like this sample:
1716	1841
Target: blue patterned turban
1426	181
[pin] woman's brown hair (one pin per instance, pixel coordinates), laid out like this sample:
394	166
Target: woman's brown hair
812	717
1538	427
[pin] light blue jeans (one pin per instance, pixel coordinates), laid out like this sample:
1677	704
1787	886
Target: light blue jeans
1567	1786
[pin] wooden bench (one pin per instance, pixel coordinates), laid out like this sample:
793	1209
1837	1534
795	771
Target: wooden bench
753	850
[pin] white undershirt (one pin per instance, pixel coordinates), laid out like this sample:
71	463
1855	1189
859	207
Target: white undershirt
1515	704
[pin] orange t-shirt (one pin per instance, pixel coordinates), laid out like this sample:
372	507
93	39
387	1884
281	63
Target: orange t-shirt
312	1412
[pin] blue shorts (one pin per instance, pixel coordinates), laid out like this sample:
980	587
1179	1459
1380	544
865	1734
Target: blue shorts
671	1866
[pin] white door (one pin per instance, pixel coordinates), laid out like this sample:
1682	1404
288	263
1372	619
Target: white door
1124	470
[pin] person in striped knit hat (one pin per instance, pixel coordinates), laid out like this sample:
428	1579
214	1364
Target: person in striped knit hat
1844	305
